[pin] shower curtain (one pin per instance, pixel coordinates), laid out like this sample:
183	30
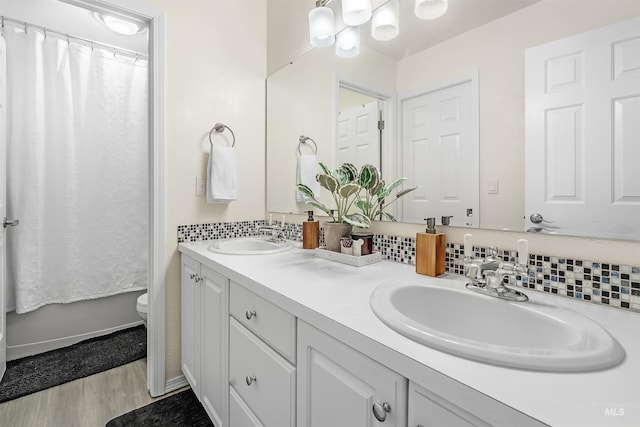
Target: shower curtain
77	171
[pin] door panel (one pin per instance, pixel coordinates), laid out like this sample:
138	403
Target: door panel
359	136
440	150
583	133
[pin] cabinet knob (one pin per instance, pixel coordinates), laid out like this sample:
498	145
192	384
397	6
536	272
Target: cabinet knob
250	379
380	411
250	314
192	275
198	279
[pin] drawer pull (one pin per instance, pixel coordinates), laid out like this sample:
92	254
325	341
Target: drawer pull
250	314
250	379
381	411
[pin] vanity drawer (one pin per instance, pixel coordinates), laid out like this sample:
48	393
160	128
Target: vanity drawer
261	377
271	323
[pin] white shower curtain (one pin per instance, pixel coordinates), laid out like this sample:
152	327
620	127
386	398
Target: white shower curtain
77	163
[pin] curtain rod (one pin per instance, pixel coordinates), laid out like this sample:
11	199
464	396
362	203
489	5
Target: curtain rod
92	43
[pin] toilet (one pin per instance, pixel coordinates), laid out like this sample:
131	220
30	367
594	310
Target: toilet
142	306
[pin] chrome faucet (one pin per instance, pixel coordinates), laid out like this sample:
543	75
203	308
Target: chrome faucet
488	275
277	232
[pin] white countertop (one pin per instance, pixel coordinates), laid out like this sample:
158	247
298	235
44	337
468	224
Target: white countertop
335	297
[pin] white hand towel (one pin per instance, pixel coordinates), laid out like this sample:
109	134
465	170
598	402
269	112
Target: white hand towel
221	175
307	170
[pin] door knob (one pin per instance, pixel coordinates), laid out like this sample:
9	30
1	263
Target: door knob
380	411
6	223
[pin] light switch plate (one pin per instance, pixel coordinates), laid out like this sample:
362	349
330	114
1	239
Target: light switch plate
200	185
493	186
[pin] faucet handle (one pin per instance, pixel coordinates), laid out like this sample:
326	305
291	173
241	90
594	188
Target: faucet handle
492	252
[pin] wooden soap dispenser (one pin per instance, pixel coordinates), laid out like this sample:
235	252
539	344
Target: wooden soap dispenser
310	232
430	250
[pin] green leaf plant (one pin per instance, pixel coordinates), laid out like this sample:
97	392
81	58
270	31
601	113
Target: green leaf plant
365	191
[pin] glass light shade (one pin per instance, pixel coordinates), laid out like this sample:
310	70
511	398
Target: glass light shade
356	12
430	9
385	21
348	42
120	26
322	28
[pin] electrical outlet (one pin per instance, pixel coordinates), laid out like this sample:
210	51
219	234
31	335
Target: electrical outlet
200	186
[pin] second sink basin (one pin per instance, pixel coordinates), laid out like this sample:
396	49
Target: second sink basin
255	245
527	335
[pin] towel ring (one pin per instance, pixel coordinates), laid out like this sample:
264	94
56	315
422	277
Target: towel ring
303	139
219	128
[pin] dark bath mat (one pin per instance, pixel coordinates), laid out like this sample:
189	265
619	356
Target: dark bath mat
35	373
180	410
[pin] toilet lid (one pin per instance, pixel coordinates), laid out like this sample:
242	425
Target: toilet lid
142	300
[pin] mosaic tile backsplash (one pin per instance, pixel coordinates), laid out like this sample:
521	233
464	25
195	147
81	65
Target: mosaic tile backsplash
613	285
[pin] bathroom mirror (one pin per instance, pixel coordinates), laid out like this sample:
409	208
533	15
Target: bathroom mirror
302	90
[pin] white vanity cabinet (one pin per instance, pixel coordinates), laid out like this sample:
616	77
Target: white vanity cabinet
427	409
449	403
262	374
252	363
204	332
338	386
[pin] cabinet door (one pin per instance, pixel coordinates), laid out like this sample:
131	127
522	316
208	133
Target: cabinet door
214	338
240	415
427	409
338	386
190	322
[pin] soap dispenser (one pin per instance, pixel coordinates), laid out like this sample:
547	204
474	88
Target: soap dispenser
430	250
310	232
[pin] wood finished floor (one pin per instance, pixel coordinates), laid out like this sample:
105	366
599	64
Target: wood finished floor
87	402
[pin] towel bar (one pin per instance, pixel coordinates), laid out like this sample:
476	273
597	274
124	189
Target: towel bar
303	139
219	128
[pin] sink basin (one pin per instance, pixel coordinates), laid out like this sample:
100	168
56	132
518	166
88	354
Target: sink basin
249	246
527	335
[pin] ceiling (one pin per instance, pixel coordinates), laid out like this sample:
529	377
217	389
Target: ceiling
65	18
288	38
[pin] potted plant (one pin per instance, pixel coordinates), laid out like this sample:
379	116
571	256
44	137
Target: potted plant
364	190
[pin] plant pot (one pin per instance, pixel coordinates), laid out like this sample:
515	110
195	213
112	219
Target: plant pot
333	231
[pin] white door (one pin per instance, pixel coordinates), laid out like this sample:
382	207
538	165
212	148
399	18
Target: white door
583	133
440	151
359	136
3	210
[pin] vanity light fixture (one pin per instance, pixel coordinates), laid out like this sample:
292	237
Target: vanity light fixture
118	25
322	28
348	42
356	12
385	21
430	9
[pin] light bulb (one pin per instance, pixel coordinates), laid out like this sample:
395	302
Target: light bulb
384	23
356	12
322	28
430	9
348	42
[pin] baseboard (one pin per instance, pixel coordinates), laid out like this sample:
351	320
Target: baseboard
175	384
20	351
